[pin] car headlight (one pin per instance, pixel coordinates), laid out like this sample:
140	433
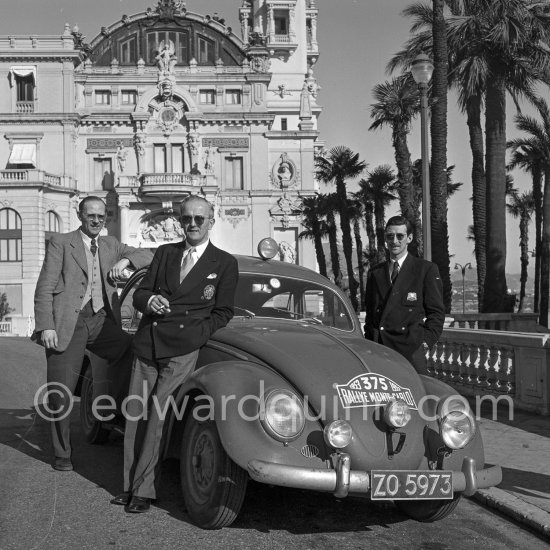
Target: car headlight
338	434
397	414
283	417
457	425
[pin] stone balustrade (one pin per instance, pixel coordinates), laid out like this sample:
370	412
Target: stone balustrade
482	362
30	175
280	39
24	107
515	322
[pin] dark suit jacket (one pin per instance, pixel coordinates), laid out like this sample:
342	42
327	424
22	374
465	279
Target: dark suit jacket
409	313
199	306
64	278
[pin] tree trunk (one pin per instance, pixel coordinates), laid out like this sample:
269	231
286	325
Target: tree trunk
370	229
406	188
333	245
438	171
360	267
379	221
537	198
319	252
545	252
524	247
495	165
347	241
479	191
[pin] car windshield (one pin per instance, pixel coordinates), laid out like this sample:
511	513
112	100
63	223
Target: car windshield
286	298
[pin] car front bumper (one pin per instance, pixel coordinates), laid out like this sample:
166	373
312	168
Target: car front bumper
342	480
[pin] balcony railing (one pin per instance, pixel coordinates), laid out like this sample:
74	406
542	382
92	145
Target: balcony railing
5	327
281	38
29	175
24	107
498	363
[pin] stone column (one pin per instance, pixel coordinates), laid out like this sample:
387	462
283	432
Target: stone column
314	44
292	25
124	218
270	23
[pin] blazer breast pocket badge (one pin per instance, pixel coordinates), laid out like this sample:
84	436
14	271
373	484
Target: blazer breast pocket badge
212	276
411	297
208	292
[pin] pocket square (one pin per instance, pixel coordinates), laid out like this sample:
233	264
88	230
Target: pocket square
212	276
411	297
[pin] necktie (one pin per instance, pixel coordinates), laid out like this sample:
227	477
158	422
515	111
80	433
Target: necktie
187	264
395	272
93	247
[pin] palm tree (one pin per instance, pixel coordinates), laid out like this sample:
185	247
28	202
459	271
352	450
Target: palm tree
527	155
339	165
522	206
466	73
397	103
327	207
314	229
536	146
378	189
511	41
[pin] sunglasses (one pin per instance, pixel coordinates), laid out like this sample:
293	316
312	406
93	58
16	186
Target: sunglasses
392	236
198	220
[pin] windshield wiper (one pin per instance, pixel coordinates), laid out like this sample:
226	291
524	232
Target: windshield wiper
247	312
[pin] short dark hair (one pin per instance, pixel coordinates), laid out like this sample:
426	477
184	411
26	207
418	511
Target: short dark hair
191	198
88	199
400	220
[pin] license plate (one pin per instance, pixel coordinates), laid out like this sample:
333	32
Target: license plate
411	484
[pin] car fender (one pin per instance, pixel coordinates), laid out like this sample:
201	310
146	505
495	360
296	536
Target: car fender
233	390
438	390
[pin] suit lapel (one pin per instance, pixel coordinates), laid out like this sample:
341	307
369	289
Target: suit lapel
79	255
383	280
173	267
105	260
199	272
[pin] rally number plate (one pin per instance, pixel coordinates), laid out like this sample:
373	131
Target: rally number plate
411	484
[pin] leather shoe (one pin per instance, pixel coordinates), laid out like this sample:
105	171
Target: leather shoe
123	499
138	505
62	464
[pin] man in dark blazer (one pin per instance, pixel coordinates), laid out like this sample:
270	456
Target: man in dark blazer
404	299
76	308
186	295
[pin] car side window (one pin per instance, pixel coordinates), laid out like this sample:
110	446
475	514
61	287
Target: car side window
130	316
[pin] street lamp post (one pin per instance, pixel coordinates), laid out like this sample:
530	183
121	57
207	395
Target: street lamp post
463	268
422	69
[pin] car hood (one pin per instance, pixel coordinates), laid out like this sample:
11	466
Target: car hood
317	360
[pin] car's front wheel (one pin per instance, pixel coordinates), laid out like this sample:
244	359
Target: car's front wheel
428	510
213	485
93	429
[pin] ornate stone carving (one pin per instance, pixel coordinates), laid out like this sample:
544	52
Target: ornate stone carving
287	252
166	58
311	83
282	91
287	210
284	173
121	156
160	229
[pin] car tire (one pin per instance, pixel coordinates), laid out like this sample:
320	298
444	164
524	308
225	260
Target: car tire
94	430
213	485
428	511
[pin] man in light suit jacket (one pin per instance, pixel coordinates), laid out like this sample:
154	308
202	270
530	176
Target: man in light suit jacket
186	295
404	299
76	308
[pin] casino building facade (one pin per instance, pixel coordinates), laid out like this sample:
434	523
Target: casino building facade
160	104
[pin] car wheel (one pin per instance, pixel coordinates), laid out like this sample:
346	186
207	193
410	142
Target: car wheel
213	485
428	510
94	430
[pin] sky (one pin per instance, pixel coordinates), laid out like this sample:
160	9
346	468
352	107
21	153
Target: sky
356	40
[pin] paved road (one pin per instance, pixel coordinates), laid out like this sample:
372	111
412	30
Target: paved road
44	509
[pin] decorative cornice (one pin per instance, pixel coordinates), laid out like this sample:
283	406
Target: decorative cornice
292	134
40	118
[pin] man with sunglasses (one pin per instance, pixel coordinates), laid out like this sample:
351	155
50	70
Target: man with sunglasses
404	298
186	295
76	308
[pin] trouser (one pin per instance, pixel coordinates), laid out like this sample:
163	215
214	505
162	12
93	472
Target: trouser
101	335
151	385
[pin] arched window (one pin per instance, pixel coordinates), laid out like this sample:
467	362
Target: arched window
10	236
52	224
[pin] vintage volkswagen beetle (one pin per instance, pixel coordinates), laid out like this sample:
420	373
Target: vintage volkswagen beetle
291	394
